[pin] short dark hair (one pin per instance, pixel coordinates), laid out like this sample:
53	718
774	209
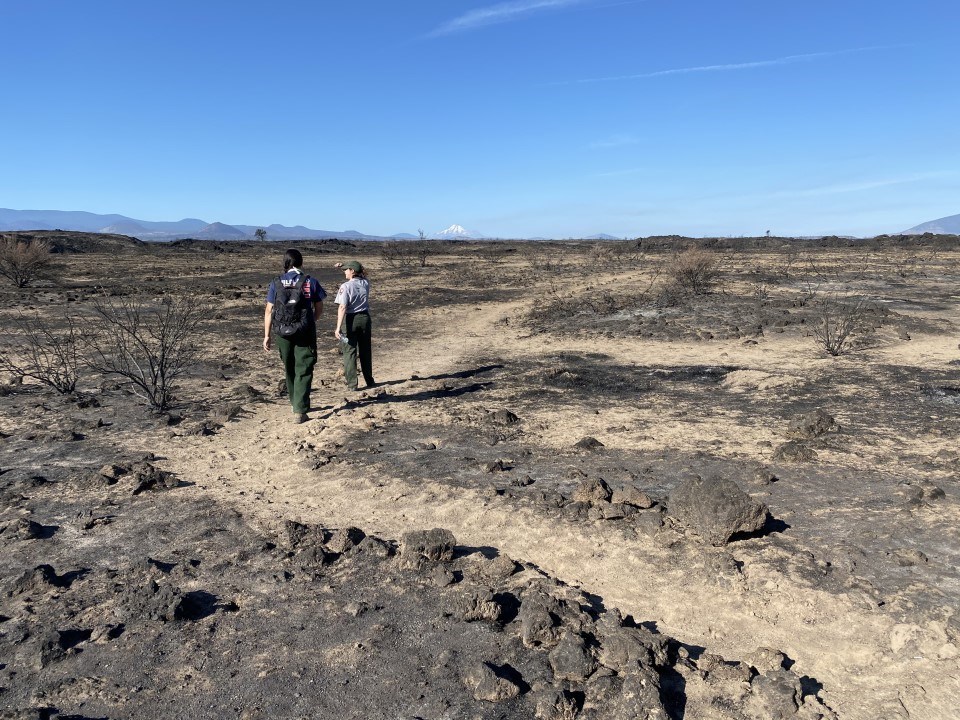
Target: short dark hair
292	259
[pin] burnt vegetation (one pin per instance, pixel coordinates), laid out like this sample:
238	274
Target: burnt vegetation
647	424
23	260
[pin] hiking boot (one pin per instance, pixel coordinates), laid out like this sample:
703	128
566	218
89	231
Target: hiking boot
301	418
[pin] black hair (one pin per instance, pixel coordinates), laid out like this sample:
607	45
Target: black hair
292	259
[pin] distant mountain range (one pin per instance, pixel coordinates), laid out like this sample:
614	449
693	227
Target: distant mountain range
201	229
949	225
159	231
162	231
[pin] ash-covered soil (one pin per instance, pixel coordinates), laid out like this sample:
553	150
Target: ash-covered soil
654	503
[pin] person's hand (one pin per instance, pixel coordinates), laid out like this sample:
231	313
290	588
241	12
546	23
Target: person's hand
266	343
338	265
336	334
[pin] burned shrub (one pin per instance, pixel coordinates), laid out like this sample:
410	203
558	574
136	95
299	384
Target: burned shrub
695	271
147	345
48	354
22	260
839	321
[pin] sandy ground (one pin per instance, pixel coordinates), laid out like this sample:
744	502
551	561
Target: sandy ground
855	583
856	651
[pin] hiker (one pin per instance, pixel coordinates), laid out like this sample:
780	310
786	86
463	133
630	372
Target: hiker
294	304
353	324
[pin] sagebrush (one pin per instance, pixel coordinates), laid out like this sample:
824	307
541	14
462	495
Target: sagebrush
148	345
51	355
22	261
695	271
839	321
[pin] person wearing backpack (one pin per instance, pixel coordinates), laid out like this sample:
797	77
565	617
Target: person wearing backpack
294	304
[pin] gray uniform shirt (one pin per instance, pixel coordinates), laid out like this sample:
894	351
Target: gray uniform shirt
353	294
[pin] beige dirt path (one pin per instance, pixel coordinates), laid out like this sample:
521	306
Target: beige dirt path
841	641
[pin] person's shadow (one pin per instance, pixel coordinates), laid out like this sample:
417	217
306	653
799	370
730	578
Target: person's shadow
363	399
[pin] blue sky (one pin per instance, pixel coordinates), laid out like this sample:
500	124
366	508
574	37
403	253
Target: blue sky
557	118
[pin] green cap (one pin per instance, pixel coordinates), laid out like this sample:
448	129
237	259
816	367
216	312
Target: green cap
353	265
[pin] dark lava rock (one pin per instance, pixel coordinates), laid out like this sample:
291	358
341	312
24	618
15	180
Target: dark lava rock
345	539
632	495
202	428
539	618
761	476
552	498
775	694
26	713
503	417
494	466
375	547
553	704
356	609
794	451
441	577
498	569
522	481
308	555
912	494
477	606
571	658
435	545
55	644
148	477
811	425
588	443
227	411
39	580
765	659
94	481
715	508
150	601
487	685
297	534
648	522
625	649
601	510
639	697
249	392
577	509
592	489
720	672
603	688
908	557
923	493
24	529
114	472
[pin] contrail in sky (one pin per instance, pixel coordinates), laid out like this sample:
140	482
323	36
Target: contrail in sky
500	13
787	60
859	186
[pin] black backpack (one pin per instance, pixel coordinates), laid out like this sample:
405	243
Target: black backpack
291	311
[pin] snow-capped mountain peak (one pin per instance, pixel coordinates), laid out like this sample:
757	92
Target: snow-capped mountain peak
456	231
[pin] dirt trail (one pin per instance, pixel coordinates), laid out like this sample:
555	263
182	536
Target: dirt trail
837	640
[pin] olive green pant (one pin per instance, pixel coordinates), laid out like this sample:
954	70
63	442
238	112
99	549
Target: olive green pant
356	326
298	355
